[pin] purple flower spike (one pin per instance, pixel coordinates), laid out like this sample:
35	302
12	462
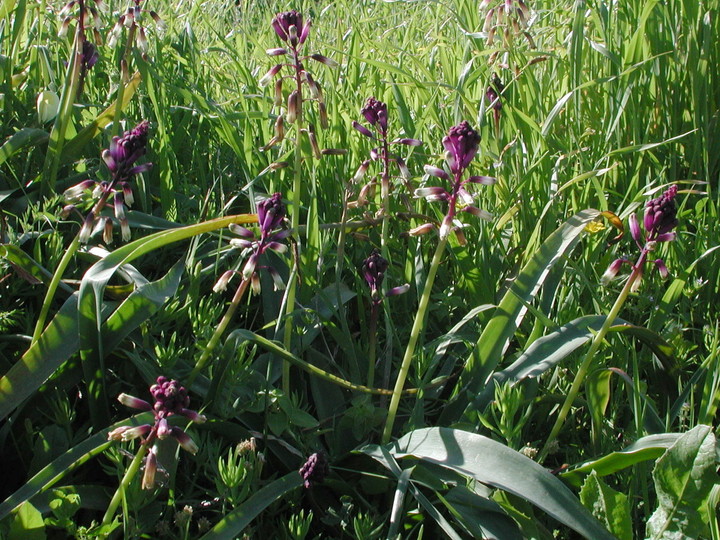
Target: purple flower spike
462	144
315	469
289	24
660	214
373	270
271	213
375	112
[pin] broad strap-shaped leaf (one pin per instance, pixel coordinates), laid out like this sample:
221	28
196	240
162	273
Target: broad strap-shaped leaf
66	463
92	344
644	449
611	507
21	139
497	333
684	477
230	526
496	465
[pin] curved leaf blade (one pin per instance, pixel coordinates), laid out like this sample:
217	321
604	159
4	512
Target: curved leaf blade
496	465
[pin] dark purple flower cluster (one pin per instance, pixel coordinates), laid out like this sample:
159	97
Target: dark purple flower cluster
271	218
315	469
373	270
376	114
461	145
659	220
170	399
120	159
289	27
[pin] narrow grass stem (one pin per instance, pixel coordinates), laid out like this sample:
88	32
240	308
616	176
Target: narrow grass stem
417	327
220	330
124	483
372	343
59	129
52	287
294	220
124	71
590	356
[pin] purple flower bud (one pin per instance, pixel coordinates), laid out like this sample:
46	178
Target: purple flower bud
461	143
286	20
271	213
148	481
362	129
373	270
134	403
484	180
222	283
437	172
375	112
163	428
324	60
661	268
293	106
276	52
107	230
265	79
249	269
408	142
432	194
395	291
315	469
170	397
635	228
612	270
241	231
126	150
184	440
421	229
360	174
278	283
76	192
477	212
660	214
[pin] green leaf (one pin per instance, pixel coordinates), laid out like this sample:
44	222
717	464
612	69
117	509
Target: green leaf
27	525
684	477
496	465
230	526
597	392
646	448
90	302
67	463
496	335
609	506
22	139
483	518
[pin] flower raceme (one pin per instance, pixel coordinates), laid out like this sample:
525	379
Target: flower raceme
659	220
373	270
376	114
315	469
271	218
461	145
120	159
170	399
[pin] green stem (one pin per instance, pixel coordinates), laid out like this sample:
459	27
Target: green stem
52	287
414	337
589	357
67	100
295	222
124	483
372	346
124	71
220	330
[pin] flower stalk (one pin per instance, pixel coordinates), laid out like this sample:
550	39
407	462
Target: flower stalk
659	222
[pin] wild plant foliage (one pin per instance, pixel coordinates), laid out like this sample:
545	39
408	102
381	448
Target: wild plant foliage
462	284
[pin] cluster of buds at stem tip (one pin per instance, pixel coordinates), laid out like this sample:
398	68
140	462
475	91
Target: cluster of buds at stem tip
293	30
373	270
461	144
375	113
88	18
508	17
133	19
315	469
493	99
170	399
659	220
120	160
271	221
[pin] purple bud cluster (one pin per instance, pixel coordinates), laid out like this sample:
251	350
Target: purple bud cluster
659	220
461	145
171	398
271	219
120	160
315	469
373	270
